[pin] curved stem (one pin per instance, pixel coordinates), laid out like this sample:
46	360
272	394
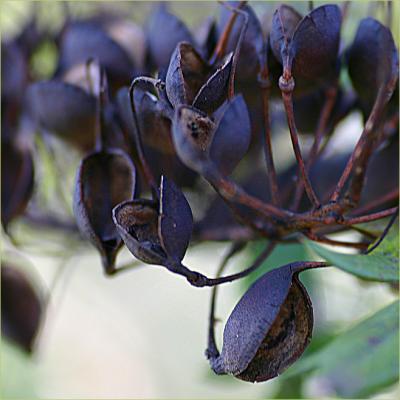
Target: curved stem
332	242
220	48
212	350
385	232
138	136
231	90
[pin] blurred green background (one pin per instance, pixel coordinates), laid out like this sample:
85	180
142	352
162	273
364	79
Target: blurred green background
143	334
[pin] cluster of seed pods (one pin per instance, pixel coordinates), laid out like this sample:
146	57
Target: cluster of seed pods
158	109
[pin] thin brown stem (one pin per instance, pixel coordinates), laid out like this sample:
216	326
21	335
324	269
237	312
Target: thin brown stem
387	197
288	103
231	88
220	48
329	103
359	158
370	217
264	84
332	242
212	350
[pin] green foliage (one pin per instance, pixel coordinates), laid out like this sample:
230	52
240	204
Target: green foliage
360	361
382	264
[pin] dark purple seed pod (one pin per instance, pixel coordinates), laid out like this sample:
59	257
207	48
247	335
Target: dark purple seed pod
84	40
233	134
193	132
21	307
17	178
253	41
104	179
14	72
203	144
186	74
156	233
269	328
372	61
164	32
65	110
137	224
175	222
308	50
214	92
284	23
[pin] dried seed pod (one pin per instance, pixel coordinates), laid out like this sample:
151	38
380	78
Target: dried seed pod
137	224
269	328
84	40
206	37
17	178
214	92
190	80
66	110
186	74
164	32
202	144
156	233
21	307
104	179
232	137
372	60
307	51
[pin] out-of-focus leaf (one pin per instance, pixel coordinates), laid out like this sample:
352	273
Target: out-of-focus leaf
382	264
362	360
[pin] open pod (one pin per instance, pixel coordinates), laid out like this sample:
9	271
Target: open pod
21	307
203	143
156	232
104	179
191	80
268	329
307	48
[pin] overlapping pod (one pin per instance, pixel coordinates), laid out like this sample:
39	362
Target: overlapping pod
372	60
202	144
269	328
21	307
307	47
191	81
156	233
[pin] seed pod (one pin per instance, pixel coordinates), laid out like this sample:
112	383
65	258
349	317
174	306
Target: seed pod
21	307
186	74
164	32
372	60
104	179
66	110
190	80
308	49
269	328
206	37
202	144
84	40
214	92
17	178
156	233
253	40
